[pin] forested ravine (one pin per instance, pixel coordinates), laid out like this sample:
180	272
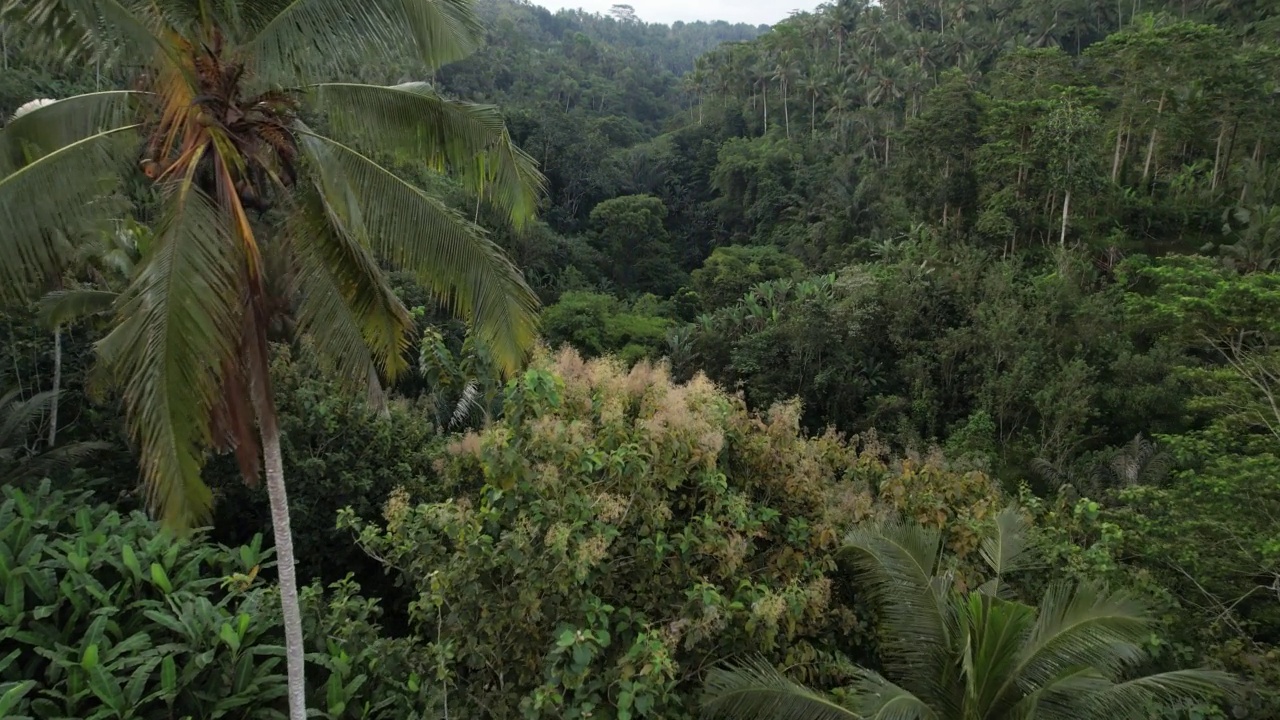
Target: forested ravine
911	358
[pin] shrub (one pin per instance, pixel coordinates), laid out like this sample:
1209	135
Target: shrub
338	451
104	616
626	533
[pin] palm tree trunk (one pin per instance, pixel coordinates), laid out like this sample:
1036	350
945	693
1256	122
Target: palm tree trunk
269	428
1151	144
57	386
289	607
1231	145
786	114
764	94
1217	156
1115	160
1066	209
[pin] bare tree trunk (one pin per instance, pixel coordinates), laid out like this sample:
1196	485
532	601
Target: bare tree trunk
1022	166
786	114
764	95
813	115
1115	161
57	386
1151	144
1066	209
946	205
1231	146
1217	156
289	607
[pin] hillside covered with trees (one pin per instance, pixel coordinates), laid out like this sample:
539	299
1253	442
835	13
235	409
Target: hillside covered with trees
907	359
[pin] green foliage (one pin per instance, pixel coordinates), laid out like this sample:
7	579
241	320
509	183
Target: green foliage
623	532
733	270
106	616
628	230
600	324
338	451
953	654
17	460
965	225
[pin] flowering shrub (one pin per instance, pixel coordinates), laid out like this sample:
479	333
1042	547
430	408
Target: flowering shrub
624	534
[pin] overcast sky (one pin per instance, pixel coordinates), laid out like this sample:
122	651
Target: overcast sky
755	12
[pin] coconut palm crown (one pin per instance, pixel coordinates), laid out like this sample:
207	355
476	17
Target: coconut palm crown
231	113
979	655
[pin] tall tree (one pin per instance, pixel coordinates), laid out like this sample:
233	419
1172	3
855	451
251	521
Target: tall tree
215	123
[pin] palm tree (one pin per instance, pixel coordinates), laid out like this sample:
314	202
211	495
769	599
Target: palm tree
786	70
215	122
23	460
950	655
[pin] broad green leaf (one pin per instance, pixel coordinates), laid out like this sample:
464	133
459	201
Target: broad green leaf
131	561
90	658
10	695
160	578
229	636
169	677
107	689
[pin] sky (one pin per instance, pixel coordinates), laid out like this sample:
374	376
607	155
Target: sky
755	12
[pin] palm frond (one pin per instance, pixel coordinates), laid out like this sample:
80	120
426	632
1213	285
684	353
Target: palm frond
875	697
64	306
80	30
1005	549
1063	699
312	39
17	415
756	691
51	462
412	122
179	325
1157	695
344	302
1081	627
451	256
59	191
467	404
899	563
59	123
994	632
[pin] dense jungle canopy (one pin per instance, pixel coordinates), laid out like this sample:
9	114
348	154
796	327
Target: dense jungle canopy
905	359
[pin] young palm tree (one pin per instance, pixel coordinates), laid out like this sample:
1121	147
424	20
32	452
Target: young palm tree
21	461
956	656
228	118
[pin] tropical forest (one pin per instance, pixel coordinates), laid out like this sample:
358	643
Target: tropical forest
473	360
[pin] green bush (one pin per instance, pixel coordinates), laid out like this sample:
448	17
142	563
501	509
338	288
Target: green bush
596	324
105	616
338	451
627	532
